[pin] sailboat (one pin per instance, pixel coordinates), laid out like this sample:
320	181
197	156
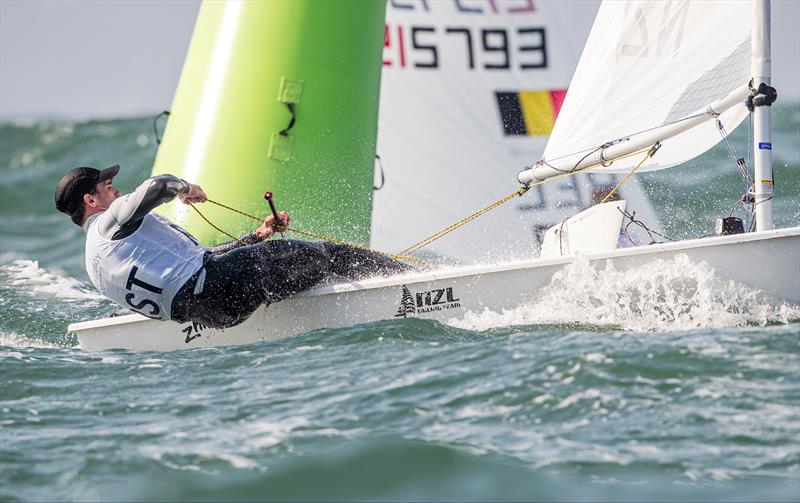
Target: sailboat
658	84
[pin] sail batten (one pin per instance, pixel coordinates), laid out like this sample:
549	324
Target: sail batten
649	70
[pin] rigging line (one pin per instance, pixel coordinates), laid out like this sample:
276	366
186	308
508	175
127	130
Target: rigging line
744	171
464	221
763	200
519	192
212	225
733	208
631	217
598	149
749	211
590	152
234	210
754	223
634	221
740	162
650	154
561	238
628	137
413	260
750	153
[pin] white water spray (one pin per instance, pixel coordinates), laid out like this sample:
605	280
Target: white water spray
664	295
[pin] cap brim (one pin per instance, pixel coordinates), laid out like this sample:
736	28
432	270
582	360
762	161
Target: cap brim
108	173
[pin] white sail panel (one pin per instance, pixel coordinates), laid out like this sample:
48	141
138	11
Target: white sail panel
651	63
469	92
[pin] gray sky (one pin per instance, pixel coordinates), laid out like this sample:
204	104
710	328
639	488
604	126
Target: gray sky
91	58
102	58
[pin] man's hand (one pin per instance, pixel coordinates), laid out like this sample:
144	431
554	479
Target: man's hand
195	194
270	226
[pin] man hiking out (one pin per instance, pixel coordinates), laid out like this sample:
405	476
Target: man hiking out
152	266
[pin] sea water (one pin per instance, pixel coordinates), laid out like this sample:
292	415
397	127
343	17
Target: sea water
663	382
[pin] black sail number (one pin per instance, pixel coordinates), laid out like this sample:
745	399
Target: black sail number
418	45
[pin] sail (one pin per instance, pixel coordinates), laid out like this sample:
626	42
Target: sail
650	65
263	104
469	92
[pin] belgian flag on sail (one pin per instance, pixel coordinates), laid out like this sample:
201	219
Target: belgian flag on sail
529	113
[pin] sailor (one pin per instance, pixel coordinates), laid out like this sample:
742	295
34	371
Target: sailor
150	265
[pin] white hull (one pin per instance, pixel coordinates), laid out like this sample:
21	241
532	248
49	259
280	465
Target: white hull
768	261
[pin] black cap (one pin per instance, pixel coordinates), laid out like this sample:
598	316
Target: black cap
76	183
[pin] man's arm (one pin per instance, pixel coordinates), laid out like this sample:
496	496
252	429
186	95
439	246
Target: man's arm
125	214
248	239
264	231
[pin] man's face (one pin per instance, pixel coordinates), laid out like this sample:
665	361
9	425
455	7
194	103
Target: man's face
105	194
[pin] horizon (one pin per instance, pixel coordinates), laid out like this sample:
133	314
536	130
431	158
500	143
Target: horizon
67	75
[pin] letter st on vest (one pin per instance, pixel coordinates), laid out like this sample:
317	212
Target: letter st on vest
139	305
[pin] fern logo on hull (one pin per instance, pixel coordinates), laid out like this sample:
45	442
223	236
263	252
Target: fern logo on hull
438	299
406	304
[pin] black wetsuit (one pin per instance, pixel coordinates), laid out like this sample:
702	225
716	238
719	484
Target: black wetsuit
240	279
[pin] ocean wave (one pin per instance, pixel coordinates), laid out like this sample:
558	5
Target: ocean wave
392	469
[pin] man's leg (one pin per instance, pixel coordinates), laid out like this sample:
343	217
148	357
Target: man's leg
355	263
239	281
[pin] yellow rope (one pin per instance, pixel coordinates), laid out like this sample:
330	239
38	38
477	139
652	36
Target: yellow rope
650	153
447	230
405	258
212	225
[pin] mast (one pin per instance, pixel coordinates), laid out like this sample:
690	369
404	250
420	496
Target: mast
764	96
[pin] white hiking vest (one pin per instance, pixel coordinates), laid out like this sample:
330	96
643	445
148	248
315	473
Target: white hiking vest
144	270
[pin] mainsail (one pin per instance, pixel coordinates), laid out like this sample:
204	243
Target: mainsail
654	71
469	92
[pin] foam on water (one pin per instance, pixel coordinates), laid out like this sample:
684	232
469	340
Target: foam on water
27	274
663	295
15	340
